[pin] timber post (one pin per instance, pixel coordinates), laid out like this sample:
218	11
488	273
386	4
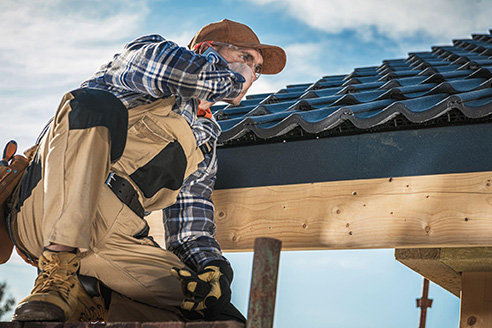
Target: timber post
476	300
264	283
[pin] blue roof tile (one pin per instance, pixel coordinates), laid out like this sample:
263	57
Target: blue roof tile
422	89
322	92
405	81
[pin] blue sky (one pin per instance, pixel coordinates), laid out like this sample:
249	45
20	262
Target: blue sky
49	47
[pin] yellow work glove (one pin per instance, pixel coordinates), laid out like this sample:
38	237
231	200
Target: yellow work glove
207	292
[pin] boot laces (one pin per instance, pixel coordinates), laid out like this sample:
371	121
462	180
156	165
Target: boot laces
56	276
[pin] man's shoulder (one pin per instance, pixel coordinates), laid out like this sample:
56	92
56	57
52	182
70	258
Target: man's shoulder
151	38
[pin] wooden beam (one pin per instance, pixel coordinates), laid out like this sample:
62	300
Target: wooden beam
448	210
427	262
476	300
445	266
468	259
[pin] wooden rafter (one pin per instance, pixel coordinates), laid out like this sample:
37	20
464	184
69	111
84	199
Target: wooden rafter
449	210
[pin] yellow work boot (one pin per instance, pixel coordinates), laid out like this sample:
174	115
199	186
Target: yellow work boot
91	306
92	310
56	292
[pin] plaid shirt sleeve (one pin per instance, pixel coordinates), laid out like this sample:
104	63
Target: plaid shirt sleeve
153	66
189	223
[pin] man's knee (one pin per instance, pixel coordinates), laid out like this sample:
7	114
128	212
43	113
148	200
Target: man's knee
92	108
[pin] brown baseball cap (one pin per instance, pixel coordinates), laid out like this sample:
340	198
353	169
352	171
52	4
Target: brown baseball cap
240	35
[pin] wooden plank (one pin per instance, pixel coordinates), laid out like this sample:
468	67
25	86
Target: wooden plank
85	325
476	300
217	324
33	324
427	262
163	325
448	210
9	324
444	266
475	259
123	324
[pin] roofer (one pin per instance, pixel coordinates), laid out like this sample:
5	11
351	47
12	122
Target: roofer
128	142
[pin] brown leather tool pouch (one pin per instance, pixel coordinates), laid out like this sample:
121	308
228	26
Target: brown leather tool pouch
10	176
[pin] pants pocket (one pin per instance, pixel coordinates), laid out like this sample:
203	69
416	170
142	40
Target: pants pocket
108	213
145	140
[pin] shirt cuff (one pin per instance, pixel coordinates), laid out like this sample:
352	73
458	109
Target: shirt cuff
237	85
239	77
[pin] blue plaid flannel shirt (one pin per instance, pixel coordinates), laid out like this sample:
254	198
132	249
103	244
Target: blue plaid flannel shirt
150	68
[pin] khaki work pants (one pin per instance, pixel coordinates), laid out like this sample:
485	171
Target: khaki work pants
63	197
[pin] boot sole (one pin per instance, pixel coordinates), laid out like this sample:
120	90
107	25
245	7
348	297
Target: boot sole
38	311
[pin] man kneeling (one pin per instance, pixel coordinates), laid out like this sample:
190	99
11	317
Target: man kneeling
137	137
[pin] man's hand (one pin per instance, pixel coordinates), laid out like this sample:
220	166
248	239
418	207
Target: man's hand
208	291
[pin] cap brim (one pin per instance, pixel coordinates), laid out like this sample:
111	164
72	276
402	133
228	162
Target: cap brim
274	58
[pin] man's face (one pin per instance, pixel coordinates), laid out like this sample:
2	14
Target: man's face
249	56
236	56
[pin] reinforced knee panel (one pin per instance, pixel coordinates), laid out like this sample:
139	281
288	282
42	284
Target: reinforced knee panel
92	107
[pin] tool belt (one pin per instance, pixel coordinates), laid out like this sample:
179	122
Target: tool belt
11	170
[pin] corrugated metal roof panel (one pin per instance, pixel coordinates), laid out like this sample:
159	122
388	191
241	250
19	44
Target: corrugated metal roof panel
421	88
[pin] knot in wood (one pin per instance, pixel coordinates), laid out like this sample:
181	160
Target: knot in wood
471	320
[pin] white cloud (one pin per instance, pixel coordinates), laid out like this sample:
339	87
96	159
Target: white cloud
440	19
303	66
50	47
56	38
301	59
182	38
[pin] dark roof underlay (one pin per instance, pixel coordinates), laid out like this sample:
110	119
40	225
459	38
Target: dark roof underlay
449	85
